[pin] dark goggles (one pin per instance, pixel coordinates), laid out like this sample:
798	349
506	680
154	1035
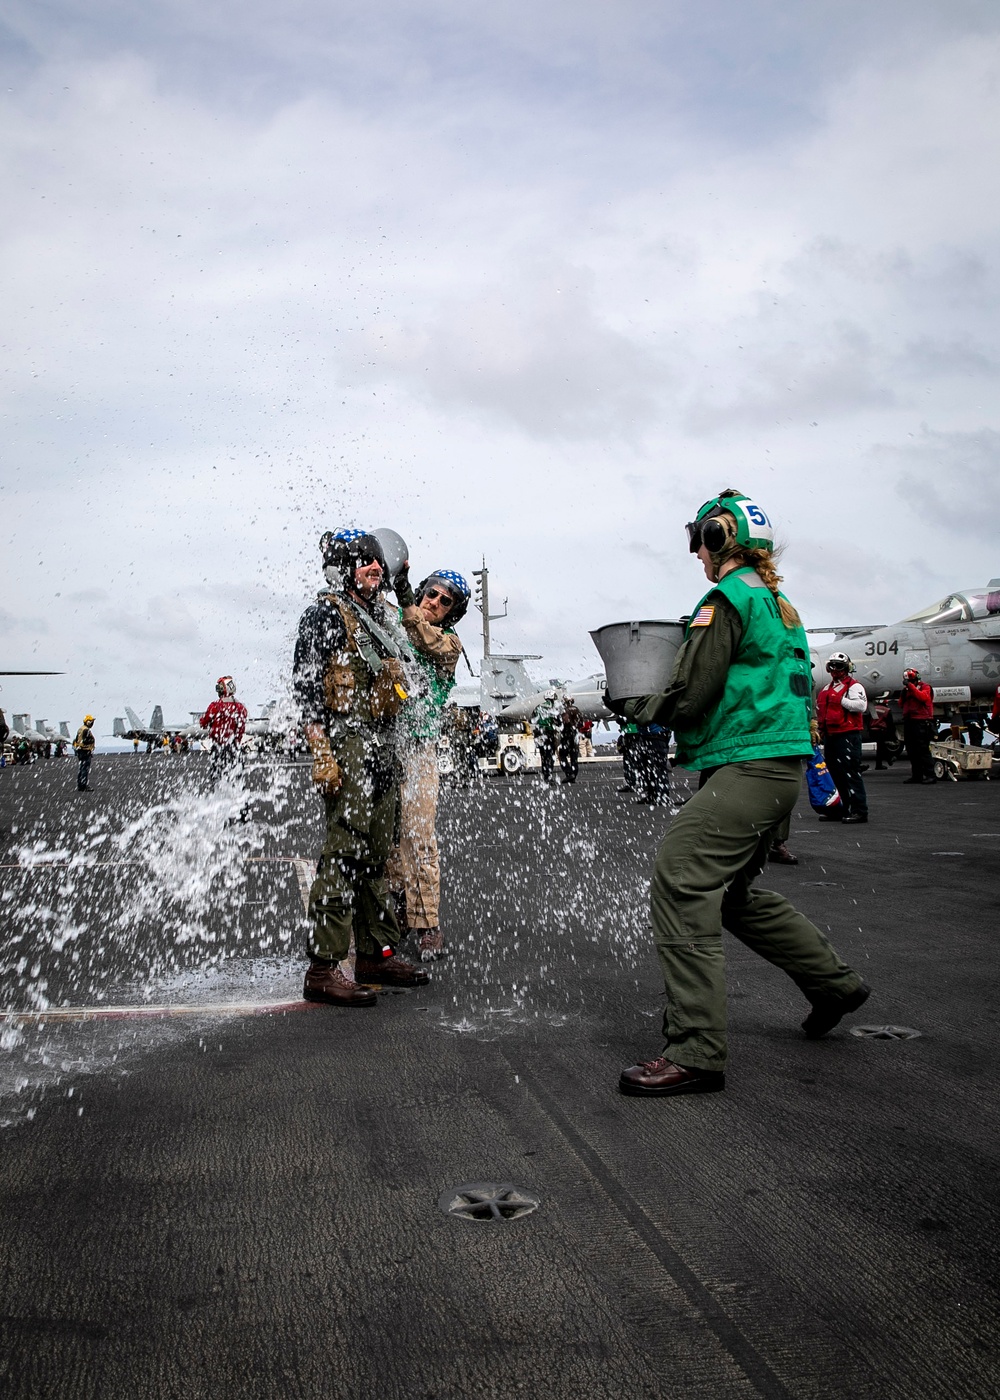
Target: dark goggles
709	532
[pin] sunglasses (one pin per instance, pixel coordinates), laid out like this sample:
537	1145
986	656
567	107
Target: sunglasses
433	594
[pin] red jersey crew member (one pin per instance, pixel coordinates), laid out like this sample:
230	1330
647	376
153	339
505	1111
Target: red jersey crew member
226	720
840	713
917	702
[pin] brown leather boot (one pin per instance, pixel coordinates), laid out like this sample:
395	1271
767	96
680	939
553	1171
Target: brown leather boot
662	1076
326	982
391	972
431	944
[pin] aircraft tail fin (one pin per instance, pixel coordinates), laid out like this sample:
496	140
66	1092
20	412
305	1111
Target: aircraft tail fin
156	722
64	729
133	718
21	723
118	728
503	679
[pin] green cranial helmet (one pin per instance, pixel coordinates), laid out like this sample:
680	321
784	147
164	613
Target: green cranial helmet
753	528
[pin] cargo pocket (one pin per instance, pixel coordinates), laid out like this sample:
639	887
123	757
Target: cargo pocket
388	693
338	688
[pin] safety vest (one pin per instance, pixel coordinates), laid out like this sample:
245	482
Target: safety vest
367	681
765	707
917	701
830	712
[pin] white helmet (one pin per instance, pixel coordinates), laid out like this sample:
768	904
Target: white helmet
839	661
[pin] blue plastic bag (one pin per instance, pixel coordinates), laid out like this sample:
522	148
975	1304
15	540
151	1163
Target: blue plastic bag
823	794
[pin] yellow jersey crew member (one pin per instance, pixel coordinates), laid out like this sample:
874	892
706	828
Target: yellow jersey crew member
83	747
740	702
429	616
349	680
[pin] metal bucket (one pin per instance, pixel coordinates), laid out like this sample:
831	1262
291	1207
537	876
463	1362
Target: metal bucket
395	549
638	656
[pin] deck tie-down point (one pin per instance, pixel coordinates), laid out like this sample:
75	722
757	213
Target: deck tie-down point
885	1032
487	1200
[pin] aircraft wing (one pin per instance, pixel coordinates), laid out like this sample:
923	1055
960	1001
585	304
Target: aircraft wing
857	631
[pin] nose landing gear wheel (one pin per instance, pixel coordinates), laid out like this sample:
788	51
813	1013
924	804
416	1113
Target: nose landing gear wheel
511	761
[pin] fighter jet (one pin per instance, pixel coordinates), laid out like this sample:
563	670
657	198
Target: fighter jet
156	730
587	693
33	734
507	692
62	736
954	644
262	724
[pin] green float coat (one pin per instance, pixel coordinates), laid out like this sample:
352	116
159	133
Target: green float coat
764	710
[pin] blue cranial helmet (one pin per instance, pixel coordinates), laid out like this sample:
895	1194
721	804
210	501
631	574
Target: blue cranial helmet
344	550
456	586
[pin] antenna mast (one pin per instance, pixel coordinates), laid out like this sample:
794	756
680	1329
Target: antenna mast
483	604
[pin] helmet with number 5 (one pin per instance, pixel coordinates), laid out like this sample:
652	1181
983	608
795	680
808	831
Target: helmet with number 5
753	529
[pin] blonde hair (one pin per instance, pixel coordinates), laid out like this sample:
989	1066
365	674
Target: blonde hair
762	561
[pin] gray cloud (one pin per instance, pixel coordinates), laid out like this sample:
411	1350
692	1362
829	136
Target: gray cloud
524	283
952	479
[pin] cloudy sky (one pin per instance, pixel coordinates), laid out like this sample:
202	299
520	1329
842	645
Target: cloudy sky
521	281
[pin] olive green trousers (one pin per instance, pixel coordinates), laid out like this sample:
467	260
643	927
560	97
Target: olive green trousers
350	893
703	883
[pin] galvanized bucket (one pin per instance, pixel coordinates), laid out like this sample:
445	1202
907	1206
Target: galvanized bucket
638	656
395	549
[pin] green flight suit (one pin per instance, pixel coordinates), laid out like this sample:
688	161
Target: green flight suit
717	845
336	674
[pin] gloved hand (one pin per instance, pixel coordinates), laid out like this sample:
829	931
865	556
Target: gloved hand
326	772
405	596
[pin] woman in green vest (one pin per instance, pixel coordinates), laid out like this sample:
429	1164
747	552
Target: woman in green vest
740	703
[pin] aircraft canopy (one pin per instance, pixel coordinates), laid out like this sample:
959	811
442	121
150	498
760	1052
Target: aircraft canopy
971	606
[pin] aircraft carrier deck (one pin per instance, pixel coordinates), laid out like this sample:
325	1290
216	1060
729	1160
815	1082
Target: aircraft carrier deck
203	1202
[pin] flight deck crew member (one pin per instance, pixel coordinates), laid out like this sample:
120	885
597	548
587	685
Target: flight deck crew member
883	730
993	723
428	616
545	725
348	680
226	722
569	739
83	746
739	702
840	713
916	700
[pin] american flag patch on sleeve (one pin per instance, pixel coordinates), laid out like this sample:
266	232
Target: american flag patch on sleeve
703	617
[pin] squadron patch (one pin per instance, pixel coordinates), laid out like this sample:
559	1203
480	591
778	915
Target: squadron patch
703	617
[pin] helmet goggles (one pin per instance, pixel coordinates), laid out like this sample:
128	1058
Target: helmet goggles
710	532
749	527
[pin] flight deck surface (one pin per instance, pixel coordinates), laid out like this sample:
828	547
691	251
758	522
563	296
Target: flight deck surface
201	1201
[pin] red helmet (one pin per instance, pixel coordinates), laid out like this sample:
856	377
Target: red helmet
911	675
225	687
